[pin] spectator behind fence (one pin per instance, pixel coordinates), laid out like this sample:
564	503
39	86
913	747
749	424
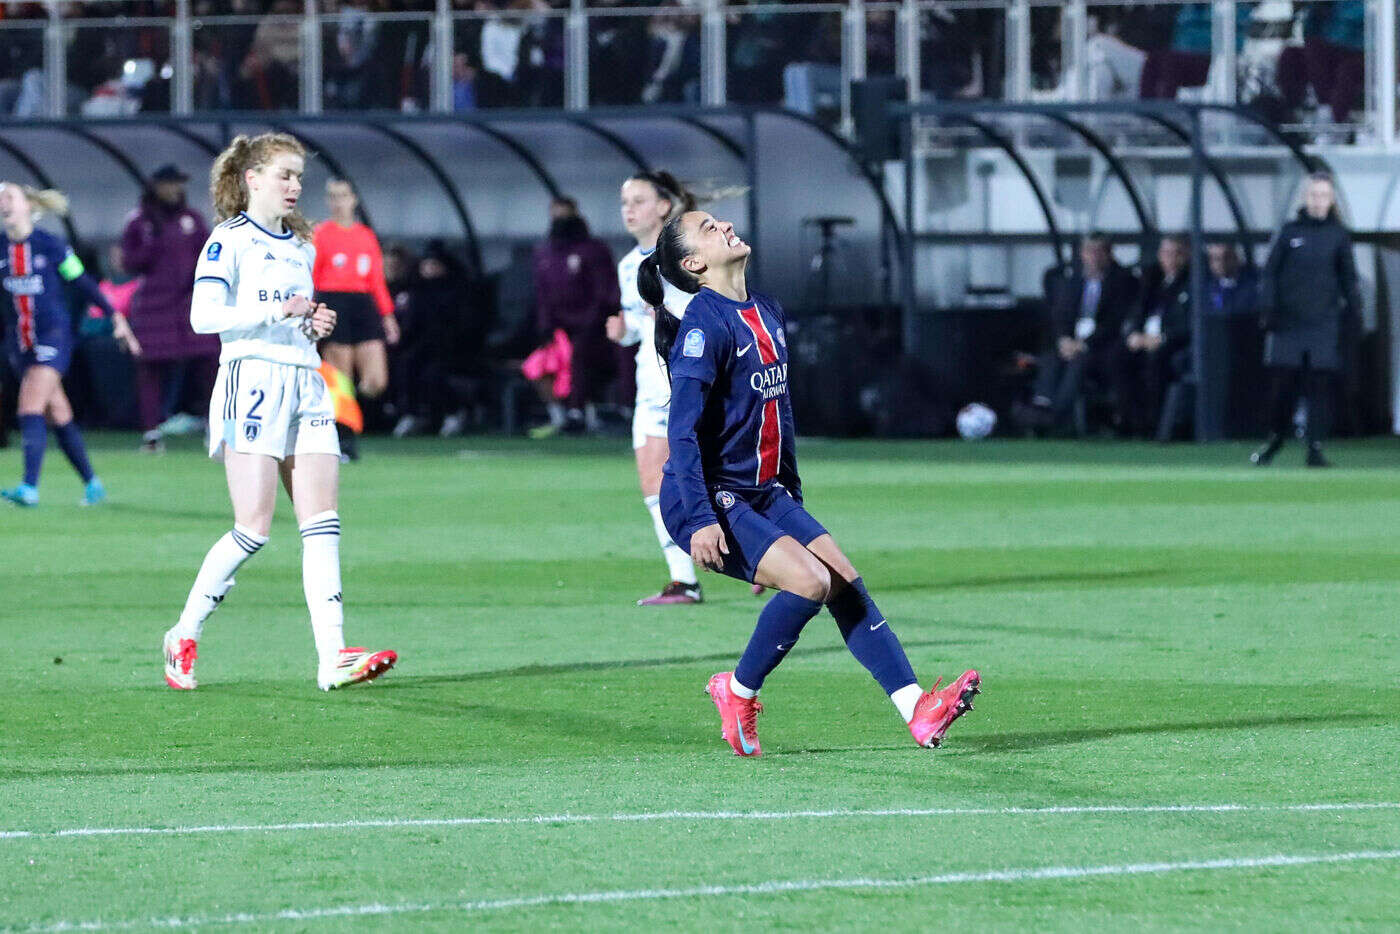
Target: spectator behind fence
1156	349
271	67
161	243
575	292
1234	289
1332	60
1308	294
1186	63
350	63
1086	321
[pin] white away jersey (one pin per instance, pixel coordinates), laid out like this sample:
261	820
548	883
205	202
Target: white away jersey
262	270
652	387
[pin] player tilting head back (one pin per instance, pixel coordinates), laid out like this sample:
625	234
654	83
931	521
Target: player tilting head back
270	414
731	494
34	265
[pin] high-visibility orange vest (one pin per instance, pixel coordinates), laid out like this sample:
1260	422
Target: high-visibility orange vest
347	410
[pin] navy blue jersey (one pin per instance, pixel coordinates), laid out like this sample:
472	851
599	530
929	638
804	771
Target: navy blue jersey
730	426
33	272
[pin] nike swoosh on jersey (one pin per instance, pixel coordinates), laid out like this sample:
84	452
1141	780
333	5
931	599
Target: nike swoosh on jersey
878	625
743	350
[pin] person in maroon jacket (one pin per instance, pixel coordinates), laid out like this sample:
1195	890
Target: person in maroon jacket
575	292
161	243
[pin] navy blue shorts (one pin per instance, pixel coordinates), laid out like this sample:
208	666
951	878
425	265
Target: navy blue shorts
51	352
751	524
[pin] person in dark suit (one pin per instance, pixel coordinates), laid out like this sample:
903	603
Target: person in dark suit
1086	319
1156	346
1309	286
1233	288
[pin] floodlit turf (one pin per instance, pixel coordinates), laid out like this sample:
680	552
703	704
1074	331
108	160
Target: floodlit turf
1155	626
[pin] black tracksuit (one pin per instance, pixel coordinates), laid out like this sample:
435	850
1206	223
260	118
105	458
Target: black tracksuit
1308	289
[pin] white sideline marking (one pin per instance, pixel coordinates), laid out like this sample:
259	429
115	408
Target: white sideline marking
390	823
774	887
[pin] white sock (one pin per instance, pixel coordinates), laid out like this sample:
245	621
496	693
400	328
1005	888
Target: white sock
681	567
320	581
556	413
215	577
738	690
590	417
905	700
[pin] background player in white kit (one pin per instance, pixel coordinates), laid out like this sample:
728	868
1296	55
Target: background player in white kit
649	199
270	413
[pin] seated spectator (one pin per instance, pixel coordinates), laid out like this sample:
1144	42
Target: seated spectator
270	69
1186	63
464	80
1086	327
1332	60
674	60
1234	290
351	77
1156	349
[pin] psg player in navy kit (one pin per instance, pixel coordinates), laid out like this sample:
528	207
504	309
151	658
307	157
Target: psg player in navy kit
34	266
731	494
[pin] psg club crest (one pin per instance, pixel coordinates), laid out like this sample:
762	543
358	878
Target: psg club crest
694	343
251	430
725	499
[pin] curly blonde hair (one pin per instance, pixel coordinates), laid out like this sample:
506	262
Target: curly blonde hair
229	190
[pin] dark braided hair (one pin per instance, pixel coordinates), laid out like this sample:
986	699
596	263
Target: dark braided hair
662	266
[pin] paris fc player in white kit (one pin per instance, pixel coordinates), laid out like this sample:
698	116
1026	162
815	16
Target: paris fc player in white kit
648	199
270	413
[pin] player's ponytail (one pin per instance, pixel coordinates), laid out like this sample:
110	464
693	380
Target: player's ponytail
43	201
662	266
227	187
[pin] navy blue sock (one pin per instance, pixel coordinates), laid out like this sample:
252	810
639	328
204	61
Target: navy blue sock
869	637
778	627
34	437
71	440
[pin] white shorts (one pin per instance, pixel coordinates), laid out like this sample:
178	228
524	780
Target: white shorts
648	421
275	409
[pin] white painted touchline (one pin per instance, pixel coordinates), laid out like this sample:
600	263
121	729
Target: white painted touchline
392	823
773	887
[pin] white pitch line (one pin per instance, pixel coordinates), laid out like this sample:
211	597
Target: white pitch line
773	887
393	823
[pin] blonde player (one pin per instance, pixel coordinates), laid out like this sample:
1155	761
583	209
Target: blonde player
270	414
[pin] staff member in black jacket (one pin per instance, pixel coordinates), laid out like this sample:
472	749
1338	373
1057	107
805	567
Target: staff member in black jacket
1156	338
1308	285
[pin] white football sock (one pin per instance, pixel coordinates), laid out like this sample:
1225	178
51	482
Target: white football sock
215	577
738	690
320	581
556	413
681	567
905	699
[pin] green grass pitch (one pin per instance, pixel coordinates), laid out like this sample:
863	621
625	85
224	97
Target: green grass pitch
1156	627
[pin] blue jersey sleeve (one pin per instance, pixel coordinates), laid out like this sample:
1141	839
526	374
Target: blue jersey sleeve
703	343
688	396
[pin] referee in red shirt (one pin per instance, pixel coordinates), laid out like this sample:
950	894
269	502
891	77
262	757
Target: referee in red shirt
349	277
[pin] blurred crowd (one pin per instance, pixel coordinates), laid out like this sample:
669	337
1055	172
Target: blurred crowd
1297	62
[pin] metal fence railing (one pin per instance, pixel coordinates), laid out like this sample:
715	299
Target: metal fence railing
1326	69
